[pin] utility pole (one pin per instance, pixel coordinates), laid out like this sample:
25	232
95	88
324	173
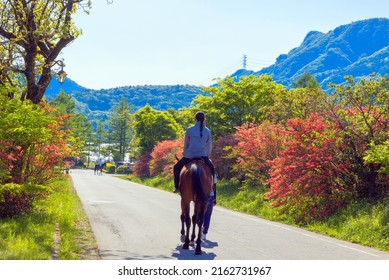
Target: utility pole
244	62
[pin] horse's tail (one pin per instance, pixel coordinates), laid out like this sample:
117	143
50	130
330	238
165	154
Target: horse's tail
197	185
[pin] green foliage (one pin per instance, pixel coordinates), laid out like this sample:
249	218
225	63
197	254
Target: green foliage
77	123
123	169
16	199
152	126
379	154
97	104
110	168
232	104
120	127
23	122
32	141
306	80
33	33
360	222
298	103
361	111
30	237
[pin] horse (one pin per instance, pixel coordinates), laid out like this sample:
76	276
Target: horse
99	169
196	183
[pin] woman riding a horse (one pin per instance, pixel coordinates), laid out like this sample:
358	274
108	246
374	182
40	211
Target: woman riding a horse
194	178
197	144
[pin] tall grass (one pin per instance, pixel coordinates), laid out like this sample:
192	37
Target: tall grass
53	229
362	222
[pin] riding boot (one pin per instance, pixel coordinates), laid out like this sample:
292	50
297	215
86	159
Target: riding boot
176	190
176	171
176	183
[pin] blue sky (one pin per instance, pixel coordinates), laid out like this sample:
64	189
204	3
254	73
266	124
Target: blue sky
167	42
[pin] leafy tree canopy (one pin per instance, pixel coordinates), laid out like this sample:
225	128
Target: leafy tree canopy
152	126
233	103
33	33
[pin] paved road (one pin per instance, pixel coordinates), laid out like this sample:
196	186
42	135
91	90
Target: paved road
131	221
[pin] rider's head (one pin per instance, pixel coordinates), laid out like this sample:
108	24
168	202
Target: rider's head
200	116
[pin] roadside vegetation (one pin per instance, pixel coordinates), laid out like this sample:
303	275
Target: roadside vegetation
57	228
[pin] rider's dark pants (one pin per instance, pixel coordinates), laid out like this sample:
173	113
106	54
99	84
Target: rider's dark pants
208	214
178	166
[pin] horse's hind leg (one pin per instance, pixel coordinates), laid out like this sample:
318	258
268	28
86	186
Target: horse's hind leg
193	236
182	218
187	222
200	222
198	241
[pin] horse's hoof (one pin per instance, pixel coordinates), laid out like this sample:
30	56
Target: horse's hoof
182	238
185	246
198	252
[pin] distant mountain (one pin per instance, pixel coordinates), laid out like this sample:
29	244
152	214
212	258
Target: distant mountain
68	86
356	49
95	104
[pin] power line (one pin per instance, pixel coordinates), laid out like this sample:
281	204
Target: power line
245	63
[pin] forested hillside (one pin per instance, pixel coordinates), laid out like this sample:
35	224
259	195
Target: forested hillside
95	104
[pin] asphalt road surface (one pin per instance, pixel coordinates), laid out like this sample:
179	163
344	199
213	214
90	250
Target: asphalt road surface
132	221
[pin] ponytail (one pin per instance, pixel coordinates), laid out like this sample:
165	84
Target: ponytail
200	117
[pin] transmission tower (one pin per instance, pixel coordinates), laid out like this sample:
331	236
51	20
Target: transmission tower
244	62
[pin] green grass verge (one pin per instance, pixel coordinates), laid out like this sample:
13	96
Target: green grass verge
361	222
57	228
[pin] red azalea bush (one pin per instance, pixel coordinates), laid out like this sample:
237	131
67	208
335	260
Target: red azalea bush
142	168
311	178
257	144
12	205
163	156
31	149
9	154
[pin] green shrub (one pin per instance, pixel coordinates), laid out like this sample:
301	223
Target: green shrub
123	169
109	168
16	200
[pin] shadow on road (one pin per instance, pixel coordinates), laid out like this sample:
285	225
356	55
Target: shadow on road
125	255
182	254
209	244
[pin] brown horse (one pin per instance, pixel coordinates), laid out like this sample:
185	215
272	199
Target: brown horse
99	169
196	182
